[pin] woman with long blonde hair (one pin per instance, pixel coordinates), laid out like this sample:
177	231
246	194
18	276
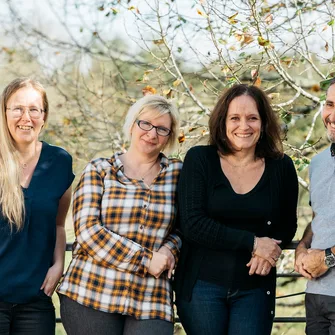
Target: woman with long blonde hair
35	194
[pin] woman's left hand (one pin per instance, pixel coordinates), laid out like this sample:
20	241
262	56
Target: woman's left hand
171	261
259	265
51	279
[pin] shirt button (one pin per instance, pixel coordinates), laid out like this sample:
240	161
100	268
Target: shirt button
269	223
141	226
144	206
268	292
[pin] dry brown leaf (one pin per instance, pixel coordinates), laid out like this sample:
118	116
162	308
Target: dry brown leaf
201	13
247	39
160	41
316	88
168	93
232	20
263	42
149	90
239	37
258	82
177	82
66	121
268	19
181	138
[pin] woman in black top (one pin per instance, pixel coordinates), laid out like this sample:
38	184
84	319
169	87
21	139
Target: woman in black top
237	199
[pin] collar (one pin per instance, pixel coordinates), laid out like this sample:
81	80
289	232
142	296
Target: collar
116	161
332	149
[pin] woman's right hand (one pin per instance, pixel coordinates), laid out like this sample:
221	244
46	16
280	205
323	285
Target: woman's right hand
158	264
268	248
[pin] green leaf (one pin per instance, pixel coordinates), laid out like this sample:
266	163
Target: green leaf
324	84
322	97
180	18
331	22
286	117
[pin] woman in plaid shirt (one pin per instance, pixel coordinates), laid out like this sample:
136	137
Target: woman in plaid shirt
124	212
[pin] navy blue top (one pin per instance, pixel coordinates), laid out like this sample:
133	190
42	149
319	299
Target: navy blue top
26	256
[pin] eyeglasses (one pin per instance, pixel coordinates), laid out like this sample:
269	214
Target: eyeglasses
34	112
145	125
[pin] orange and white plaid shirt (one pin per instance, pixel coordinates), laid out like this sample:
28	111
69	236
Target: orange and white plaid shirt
118	223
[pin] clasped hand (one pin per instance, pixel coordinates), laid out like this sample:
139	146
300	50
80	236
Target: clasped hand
265	256
162	260
310	263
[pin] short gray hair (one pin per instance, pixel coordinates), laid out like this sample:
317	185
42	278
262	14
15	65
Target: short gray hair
161	106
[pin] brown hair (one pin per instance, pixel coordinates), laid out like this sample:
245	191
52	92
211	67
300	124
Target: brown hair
269	143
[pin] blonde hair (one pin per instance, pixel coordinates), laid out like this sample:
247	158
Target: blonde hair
159	105
11	195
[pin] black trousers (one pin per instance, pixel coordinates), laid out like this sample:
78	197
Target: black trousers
81	320
320	314
34	318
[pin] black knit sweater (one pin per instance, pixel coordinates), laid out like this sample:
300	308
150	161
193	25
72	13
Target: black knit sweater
214	229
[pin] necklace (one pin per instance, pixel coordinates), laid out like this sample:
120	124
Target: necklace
134	174
28	162
148	171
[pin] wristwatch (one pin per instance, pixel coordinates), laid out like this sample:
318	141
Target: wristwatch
329	258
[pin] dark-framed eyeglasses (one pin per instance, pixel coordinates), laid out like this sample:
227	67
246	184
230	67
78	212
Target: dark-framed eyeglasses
17	111
147	126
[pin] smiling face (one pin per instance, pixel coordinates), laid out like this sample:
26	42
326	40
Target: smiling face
24	129
243	123
328	113
148	142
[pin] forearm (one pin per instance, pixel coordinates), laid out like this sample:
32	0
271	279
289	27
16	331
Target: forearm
306	240
59	252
